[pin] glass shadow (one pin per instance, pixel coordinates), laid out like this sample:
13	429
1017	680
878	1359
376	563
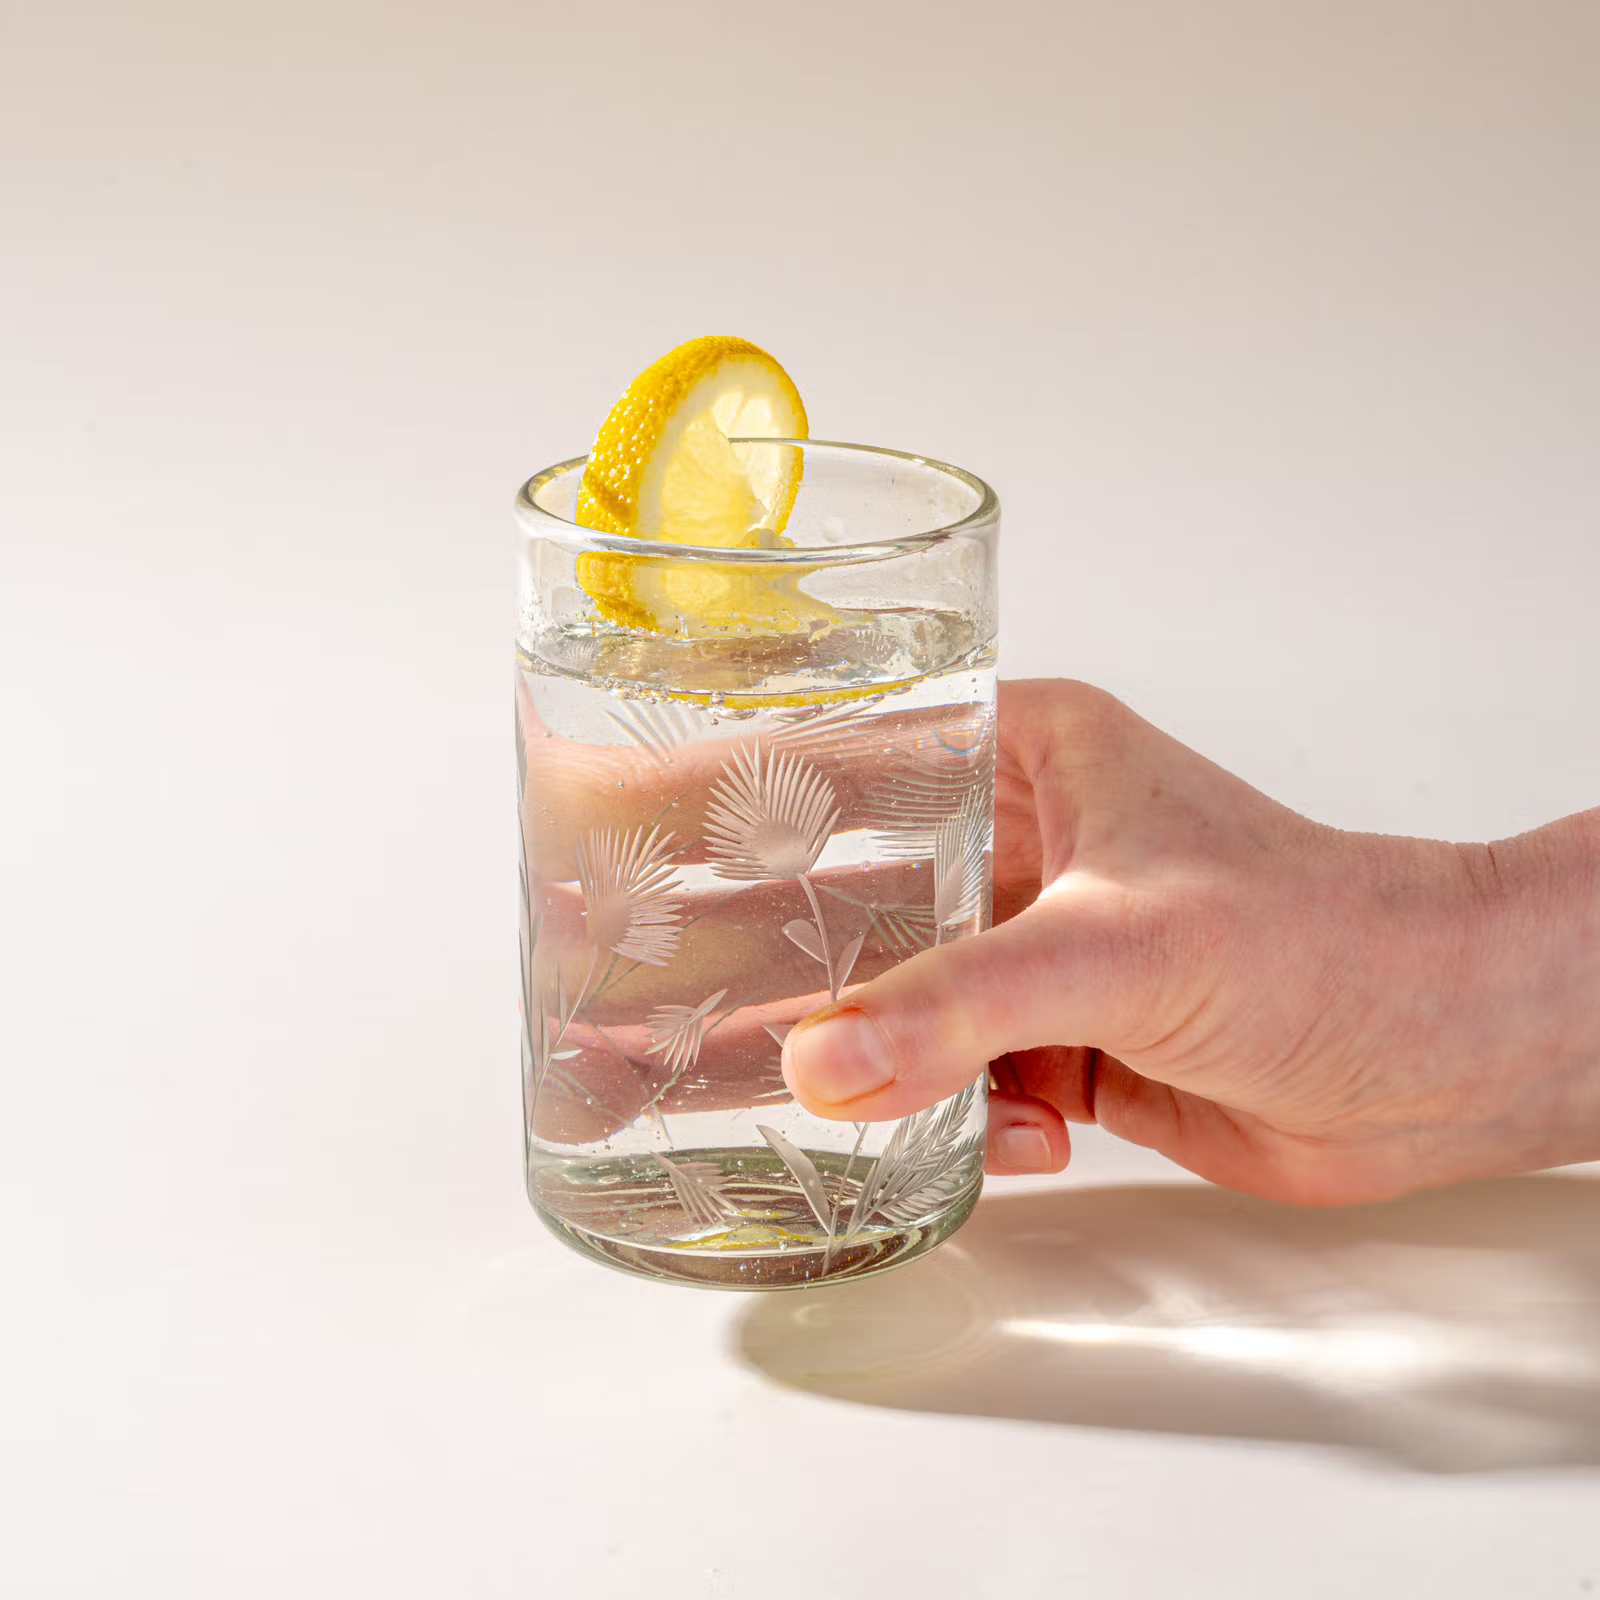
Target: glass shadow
1457	1331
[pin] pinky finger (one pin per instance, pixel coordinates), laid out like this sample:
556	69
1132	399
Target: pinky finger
1025	1136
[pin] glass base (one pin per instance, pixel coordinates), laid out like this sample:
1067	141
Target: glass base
618	1212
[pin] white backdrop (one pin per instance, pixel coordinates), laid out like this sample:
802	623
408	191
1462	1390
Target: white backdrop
1275	327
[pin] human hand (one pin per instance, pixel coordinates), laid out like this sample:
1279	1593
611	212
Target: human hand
1283	1008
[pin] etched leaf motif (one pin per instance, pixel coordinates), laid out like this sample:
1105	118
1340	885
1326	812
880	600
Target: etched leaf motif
909	805
959	846
924	1150
768	822
627	884
548	1051
805	935
676	1032
905	929
805	1173
908	810
930	1197
777	1032
847	960
540	1051
657	727
574	653
699	1186
830	731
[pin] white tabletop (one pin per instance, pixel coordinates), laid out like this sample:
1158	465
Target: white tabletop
1275	329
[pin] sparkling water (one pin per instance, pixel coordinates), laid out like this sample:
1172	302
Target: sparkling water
717	839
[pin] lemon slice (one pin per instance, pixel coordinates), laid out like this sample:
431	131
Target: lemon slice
663	467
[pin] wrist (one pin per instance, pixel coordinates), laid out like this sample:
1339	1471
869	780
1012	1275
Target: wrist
1538	910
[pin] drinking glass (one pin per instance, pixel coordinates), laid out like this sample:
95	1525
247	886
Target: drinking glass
749	780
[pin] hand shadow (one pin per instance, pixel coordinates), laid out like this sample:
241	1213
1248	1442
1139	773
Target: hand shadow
1450	1332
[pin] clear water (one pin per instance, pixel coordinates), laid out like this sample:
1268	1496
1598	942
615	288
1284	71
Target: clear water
718	838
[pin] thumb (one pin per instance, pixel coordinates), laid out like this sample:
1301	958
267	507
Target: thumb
1072	969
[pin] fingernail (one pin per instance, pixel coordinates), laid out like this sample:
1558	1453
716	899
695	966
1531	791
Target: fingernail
1023	1146
836	1055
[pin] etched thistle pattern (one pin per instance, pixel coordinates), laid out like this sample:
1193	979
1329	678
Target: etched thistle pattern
768	814
771	823
657	727
626	881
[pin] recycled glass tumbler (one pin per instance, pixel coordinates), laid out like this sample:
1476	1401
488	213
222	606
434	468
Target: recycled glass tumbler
749	781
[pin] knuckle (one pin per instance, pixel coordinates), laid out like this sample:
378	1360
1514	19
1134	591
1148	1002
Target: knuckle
1094	714
1087	729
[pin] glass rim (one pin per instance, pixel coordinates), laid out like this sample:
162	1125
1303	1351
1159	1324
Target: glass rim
534	519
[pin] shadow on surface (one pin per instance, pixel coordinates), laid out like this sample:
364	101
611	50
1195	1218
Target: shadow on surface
1449	1332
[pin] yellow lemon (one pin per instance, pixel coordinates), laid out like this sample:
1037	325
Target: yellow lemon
665	467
